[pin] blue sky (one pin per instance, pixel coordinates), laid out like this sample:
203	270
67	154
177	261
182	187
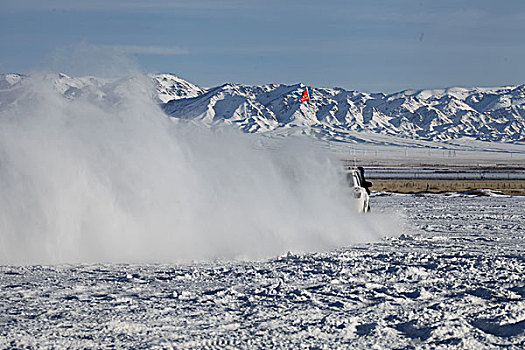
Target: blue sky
367	45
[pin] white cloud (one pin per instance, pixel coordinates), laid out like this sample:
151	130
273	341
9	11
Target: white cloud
149	50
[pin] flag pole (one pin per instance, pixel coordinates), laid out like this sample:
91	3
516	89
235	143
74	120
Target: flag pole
309	109
308	102
305	97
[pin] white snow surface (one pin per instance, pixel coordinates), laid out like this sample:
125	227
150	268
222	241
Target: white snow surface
453	279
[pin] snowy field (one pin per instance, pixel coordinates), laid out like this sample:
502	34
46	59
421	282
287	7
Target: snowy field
454	278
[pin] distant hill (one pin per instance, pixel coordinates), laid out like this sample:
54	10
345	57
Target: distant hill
332	114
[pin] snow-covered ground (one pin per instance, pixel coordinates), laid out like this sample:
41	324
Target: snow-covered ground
454	278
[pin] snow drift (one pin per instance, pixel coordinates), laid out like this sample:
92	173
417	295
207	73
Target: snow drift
105	175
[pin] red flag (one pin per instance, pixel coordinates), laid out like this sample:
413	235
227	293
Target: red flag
305	96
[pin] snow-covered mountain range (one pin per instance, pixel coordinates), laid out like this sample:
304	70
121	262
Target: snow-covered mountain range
332	114
488	114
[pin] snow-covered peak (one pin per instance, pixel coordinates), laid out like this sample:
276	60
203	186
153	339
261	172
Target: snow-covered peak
9	80
171	87
165	87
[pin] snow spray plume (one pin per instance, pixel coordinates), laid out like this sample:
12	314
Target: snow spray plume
98	173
